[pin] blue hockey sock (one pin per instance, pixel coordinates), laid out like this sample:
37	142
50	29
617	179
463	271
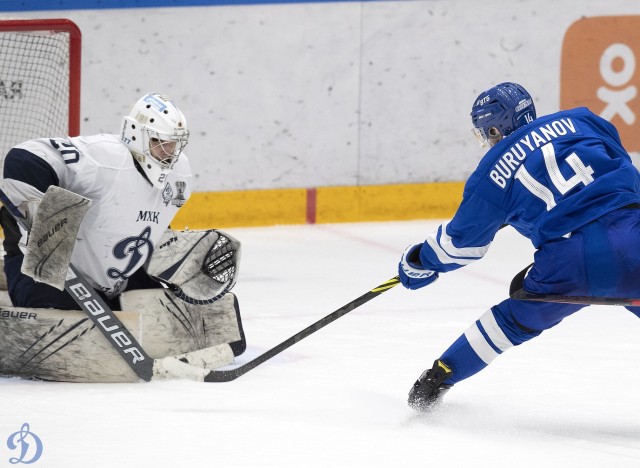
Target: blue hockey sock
480	344
462	359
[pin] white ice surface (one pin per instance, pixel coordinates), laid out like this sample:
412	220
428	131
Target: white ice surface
569	398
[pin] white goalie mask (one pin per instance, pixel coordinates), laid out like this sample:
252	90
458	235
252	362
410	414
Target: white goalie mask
155	131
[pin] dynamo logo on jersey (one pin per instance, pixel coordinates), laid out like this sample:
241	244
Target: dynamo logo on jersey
135	249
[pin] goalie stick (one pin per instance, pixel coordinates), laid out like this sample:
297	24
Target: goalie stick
516	291
145	367
232	374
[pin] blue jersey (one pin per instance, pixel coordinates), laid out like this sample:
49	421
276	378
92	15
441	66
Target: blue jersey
546	179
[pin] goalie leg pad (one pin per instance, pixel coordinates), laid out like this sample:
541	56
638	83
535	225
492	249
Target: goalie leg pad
61	345
171	326
64	345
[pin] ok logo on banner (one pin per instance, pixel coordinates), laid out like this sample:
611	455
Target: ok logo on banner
599	70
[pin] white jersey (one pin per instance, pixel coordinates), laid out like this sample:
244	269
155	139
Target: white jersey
127	215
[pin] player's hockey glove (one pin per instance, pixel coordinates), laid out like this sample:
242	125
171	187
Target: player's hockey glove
412	274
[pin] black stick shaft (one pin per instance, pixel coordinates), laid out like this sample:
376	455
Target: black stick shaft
228	375
588	300
516	291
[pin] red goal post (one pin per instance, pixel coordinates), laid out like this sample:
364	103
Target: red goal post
39	79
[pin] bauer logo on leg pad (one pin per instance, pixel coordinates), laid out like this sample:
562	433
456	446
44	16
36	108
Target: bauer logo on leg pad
18	314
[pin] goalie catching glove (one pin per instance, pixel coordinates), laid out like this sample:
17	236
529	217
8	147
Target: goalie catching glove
199	266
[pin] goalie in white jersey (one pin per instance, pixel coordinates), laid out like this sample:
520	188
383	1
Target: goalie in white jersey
136	182
103	205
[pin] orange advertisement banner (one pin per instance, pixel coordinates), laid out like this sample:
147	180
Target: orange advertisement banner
600	70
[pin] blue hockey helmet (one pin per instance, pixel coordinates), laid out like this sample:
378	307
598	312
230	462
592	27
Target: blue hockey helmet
500	111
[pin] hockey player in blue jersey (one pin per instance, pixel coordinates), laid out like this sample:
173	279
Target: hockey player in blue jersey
565	182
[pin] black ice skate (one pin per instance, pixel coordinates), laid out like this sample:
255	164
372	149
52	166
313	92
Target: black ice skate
429	389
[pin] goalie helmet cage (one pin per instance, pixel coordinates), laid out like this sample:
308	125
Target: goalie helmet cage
39	79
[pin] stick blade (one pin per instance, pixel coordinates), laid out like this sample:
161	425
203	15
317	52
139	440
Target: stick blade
222	375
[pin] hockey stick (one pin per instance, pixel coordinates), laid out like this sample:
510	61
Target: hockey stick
232	374
145	367
516	291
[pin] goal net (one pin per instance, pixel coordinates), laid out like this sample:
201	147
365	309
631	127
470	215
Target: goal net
39	80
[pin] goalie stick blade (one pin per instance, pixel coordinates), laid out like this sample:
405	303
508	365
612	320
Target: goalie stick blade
232	374
224	375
